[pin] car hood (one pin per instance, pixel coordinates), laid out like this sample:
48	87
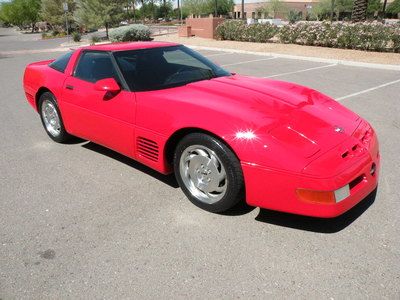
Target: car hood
295	117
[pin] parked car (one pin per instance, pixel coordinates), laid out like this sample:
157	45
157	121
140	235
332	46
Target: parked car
227	137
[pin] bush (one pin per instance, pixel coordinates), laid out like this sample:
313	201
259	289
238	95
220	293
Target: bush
135	32
260	33
288	34
364	36
55	32
230	30
76	36
236	30
94	39
293	16
395	38
370	36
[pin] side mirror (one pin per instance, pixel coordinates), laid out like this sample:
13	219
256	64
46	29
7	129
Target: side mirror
107	85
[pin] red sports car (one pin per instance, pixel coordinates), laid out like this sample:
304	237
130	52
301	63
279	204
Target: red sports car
227	137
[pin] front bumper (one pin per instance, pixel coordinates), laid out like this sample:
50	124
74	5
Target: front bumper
276	189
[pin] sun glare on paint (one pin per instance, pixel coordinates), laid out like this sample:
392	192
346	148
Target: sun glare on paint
245	135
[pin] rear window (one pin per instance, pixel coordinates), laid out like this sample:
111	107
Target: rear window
61	63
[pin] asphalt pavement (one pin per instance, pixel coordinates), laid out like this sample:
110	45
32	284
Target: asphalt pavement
80	221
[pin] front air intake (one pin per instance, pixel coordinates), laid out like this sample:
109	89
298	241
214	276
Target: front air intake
147	148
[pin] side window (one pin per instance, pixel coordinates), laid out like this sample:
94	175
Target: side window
93	66
61	63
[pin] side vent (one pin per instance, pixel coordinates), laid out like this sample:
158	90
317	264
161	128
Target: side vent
147	148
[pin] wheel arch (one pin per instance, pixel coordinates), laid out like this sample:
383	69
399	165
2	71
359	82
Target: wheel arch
39	93
178	135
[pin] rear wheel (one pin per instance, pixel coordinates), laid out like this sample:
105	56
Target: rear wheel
51	118
208	172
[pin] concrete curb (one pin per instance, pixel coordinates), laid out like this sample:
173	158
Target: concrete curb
83	44
306	58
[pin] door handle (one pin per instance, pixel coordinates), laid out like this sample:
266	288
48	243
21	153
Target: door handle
70	87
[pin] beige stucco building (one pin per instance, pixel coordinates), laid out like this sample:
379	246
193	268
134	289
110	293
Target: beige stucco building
251	10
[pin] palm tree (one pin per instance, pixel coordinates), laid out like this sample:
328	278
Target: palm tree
179	11
242	12
165	9
359	10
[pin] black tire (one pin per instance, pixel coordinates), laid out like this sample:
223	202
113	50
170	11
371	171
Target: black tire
62	136
234	191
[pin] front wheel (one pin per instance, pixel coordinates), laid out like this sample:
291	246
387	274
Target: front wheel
208	172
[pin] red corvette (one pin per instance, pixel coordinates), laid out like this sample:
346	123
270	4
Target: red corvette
227	137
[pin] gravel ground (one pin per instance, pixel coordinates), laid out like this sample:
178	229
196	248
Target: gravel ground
322	52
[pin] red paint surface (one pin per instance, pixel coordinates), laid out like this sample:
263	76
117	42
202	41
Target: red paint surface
283	134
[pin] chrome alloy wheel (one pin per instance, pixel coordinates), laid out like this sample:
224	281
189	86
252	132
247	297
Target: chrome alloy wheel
50	118
203	174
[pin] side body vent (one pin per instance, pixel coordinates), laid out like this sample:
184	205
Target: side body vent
147	148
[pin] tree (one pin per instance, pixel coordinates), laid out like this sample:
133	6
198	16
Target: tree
343	6
206	7
224	7
374	7
52	11
294	16
30	11
394	7
21	12
149	10
325	8
165	9
195	7
273	8
322	10
96	13
359	10
11	14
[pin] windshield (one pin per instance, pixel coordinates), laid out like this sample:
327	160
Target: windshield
165	67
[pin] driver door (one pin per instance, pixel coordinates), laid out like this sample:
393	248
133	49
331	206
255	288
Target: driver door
96	115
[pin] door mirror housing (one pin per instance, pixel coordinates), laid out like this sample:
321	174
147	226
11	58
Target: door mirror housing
107	85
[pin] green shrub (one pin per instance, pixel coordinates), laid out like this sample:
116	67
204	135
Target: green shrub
293	16
260	33
76	36
364	36
135	32
288	34
238	31
395	38
230	30
370	36
94	39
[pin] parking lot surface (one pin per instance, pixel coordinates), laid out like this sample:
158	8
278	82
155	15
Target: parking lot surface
80	221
